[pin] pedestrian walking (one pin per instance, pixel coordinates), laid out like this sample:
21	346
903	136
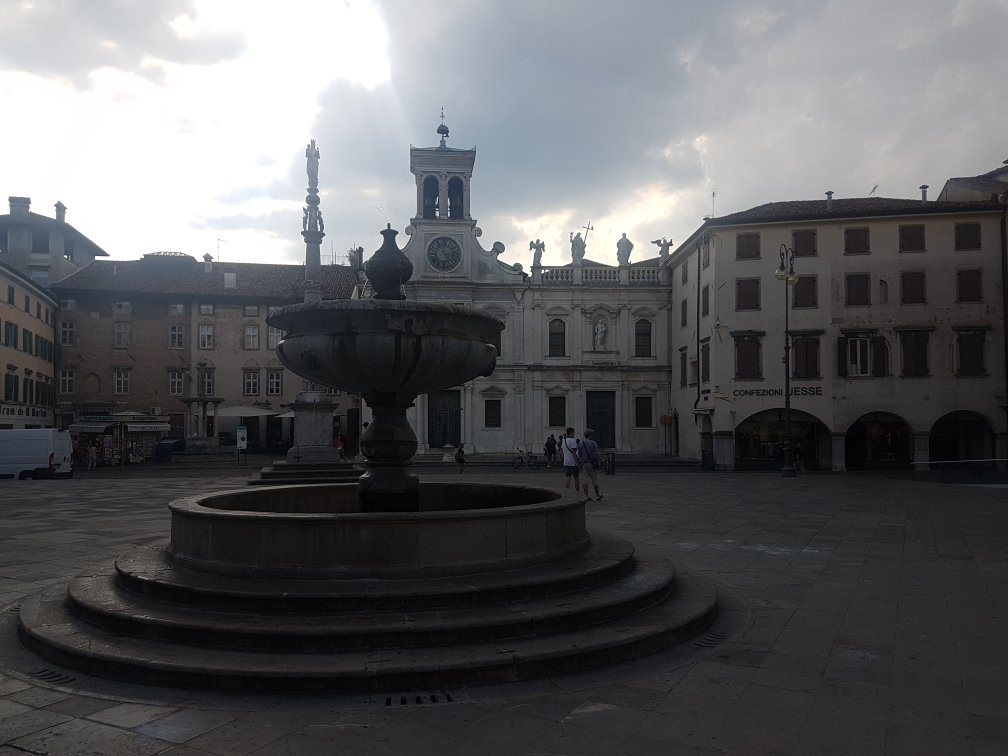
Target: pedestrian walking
92	456
550	449
569	446
589	463
799	459
460	457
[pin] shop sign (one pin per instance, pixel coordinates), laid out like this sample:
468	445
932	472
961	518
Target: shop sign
8	410
795	391
241	436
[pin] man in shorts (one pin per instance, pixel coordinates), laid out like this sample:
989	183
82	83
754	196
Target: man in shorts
569	447
589	463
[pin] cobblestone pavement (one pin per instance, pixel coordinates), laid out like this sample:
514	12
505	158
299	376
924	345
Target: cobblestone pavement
863	615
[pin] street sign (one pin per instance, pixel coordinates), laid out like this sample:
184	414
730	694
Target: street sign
242	436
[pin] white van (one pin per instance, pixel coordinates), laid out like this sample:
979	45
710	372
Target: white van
36	453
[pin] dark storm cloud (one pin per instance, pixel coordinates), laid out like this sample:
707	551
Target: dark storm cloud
71	39
575	106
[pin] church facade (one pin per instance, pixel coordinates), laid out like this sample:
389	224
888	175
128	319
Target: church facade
584	344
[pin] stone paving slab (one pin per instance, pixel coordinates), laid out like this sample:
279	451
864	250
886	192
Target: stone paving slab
866	615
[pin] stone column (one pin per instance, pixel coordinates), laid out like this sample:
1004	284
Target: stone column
524	424
419	195
921	451
839	448
443	196
466	179
313	428
624	275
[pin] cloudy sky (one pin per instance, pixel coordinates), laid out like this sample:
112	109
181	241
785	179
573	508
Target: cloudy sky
181	124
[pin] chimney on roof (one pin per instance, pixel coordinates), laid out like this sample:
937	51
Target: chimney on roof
60	212
19	205
923	188
829	200
208	263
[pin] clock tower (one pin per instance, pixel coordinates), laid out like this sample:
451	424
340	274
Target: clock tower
443	244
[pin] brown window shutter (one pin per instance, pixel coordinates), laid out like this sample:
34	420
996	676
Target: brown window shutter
879	355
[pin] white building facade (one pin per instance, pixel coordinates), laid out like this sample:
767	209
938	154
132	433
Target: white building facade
897	326
584	345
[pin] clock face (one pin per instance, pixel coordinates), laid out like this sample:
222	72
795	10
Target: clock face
444	254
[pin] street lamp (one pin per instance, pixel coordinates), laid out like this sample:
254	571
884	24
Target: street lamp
786	274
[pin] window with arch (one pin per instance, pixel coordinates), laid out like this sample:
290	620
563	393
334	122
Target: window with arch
455	204
642	338
430	198
557	338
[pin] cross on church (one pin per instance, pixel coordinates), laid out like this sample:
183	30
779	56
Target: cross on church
588	228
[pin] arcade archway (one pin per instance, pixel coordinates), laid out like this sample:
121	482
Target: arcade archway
878	441
962	435
759	440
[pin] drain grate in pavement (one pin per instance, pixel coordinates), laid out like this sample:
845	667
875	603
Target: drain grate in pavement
414	699
709	640
52	676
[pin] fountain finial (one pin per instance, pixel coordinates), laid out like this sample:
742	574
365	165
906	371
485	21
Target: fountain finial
388	269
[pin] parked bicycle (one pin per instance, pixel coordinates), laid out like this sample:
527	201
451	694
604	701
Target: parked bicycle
525	459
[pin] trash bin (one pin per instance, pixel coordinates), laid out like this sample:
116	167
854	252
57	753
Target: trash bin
610	463
162	452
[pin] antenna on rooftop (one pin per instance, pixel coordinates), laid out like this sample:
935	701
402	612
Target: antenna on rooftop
218	248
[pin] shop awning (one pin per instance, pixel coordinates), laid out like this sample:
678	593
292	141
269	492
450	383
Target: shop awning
245	411
147	427
88	427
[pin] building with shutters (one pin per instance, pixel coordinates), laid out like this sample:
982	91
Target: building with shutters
185	342
897	328
27	352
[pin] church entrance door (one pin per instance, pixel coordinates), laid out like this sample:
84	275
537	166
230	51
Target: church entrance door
600	411
444	418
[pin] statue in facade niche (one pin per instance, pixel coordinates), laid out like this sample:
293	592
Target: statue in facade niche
600	329
623	249
538	248
663	245
577	248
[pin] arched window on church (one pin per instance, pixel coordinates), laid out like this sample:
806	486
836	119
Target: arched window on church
642	338
430	197
455	211
557	338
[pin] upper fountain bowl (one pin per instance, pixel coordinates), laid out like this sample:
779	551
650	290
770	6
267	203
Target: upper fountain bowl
386	347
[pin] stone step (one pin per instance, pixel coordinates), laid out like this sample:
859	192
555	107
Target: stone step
53	633
148	571
97	600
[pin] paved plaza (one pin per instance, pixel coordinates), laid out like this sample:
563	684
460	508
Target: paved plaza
860	614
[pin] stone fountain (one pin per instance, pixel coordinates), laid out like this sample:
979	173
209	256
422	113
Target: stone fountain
381	584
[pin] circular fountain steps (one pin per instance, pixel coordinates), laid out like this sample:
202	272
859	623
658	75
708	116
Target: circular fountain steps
152	621
287	473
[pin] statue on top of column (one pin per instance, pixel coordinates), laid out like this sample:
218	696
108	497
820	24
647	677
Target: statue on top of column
312	153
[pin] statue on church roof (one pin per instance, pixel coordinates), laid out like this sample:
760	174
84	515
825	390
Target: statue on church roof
623	249
577	248
663	246
538	248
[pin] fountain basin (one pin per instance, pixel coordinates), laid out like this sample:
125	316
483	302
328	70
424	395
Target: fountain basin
316	531
386	347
